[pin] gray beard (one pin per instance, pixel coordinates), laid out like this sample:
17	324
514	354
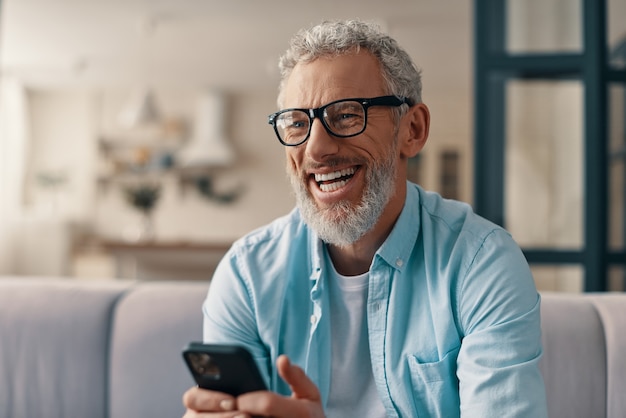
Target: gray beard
344	223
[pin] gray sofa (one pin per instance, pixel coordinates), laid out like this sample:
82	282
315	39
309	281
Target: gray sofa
111	349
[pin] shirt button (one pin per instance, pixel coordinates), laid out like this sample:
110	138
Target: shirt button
313	319
399	262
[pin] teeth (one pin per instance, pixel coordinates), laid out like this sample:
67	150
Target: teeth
330	177
335	175
333	186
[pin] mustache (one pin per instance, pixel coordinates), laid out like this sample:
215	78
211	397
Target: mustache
332	162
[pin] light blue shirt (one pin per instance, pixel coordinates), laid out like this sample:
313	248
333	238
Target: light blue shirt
452	311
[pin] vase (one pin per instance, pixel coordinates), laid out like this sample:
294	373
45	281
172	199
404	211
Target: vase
146	227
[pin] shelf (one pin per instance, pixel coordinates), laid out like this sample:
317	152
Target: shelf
174	260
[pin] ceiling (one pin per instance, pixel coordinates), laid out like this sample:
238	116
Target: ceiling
231	44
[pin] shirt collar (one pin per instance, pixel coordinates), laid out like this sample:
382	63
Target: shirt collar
317	251
398	246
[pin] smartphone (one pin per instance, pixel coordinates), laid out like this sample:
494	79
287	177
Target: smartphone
224	368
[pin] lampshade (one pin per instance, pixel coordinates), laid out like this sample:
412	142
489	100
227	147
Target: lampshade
209	145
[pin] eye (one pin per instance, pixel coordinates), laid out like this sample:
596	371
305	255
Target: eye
292	126
346	120
345	117
292	121
298	124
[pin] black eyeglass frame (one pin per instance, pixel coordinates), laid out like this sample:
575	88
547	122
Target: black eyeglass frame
389	101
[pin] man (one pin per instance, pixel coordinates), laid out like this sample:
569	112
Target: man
373	298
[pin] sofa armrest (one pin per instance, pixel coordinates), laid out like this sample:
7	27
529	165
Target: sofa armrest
611	308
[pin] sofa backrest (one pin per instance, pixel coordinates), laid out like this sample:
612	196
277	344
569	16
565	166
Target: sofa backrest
151	326
584	361
109	349
54	345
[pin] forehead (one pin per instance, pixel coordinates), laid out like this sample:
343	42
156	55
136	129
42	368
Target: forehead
326	79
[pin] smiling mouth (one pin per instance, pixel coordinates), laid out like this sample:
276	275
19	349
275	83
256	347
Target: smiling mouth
329	182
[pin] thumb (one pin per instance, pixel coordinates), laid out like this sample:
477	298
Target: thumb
301	386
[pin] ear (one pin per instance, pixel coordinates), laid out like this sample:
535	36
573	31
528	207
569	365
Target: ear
414	130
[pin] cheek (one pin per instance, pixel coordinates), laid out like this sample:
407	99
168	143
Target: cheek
381	149
379	142
295	154
291	160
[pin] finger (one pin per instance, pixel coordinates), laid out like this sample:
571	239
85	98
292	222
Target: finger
226	414
198	399
304	402
300	384
266	403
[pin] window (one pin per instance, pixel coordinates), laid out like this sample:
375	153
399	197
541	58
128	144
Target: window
550	148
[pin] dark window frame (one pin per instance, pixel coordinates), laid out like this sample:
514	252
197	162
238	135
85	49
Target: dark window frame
493	68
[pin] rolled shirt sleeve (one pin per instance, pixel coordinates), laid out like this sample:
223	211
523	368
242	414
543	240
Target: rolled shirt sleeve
499	311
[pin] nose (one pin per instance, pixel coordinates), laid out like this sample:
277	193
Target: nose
320	143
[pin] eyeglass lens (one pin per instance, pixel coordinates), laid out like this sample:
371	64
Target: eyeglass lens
342	119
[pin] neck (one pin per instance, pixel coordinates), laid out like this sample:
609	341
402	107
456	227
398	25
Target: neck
356	258
351	260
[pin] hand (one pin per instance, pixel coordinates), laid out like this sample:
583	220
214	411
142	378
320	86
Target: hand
304	402
199	402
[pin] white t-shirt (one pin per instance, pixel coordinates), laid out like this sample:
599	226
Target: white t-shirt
352	388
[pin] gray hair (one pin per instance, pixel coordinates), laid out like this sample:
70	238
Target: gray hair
331	38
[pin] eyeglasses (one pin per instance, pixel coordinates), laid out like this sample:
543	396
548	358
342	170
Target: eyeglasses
341	118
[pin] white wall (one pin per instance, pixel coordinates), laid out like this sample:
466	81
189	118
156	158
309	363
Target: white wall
62	126
66	129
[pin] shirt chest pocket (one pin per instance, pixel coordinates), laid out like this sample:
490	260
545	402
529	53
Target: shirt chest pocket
435	386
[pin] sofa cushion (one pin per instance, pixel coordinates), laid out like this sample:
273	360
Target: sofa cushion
54	347
574	359
151	326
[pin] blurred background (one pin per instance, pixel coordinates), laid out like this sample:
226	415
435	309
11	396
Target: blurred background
134	140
